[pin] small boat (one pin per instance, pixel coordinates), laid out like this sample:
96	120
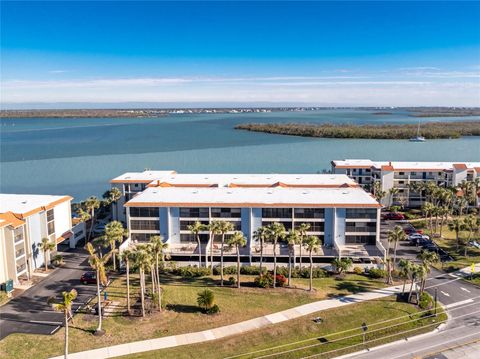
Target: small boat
417	138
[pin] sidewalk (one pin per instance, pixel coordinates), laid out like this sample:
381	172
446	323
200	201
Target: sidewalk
232	329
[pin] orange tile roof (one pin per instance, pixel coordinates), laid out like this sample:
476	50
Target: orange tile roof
10	219
387	168
460	166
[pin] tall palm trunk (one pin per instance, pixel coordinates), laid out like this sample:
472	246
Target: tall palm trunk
199	251
153	278
128	286
238	266
65	354
395	254
411	289
45	260
114	258
211	253
289	266
159	289
142	290
261	255
92	221
221	260
275	263
301	256
311	272
99	328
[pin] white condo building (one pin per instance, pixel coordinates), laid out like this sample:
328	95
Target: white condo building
24	220
397	174
338	211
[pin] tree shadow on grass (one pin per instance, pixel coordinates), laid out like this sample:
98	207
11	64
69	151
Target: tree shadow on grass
354	287
184	308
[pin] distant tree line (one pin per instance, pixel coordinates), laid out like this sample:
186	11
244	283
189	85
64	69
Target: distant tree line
382	131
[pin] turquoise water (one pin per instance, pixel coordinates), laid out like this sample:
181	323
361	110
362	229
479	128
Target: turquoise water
79	156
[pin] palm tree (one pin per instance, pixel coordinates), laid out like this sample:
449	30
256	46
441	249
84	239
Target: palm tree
112	197
421	276
143	261
205	299
126	256
158	247
311	243
392	192
302	230
405	267
98	262
395	235
223	227
195	229
238	240
414	272
261	236
428	209
428	259
378	193
46	246
91	204
341	265
292	239
457	225
470	224
213	229
64	306
276	231
114	233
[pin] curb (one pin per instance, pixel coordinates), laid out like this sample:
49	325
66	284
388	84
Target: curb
399	341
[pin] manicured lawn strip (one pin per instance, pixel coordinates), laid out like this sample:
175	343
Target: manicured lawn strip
315	336
183	315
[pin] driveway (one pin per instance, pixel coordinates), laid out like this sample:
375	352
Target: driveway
30	313
404	249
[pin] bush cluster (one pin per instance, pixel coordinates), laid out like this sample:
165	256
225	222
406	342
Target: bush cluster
376	273
426	301
304	273
190	271
213	310
229	270
266	280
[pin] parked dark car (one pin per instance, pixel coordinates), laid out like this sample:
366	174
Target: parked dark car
89	278
394	216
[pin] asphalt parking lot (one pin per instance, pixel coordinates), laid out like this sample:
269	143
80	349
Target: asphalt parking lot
30	313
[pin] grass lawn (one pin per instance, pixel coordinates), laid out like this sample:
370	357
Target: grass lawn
182	315
448	243
276	340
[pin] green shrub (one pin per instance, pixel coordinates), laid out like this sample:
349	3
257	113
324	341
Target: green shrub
251	270
426	301
281	280
191	272
376	273
304	273
232	281
57	260
264	280
206	299
3	297
213	310
357	270
227	270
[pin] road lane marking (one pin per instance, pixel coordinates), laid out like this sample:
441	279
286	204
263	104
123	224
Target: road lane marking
448	306
445	293
45	322
465	289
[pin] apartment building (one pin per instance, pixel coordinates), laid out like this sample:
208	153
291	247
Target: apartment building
338	211
24	220
396	174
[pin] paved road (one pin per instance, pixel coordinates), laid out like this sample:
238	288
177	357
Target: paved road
30	313
462	301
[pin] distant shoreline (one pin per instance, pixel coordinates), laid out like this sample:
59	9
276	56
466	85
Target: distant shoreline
437	130
159	112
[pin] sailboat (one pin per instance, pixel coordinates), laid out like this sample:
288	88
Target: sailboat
417	138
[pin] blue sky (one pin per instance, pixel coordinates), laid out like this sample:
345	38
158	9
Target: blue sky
323	53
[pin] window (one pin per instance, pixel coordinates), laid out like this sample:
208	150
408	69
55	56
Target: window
188	237
145	225
276	212
144	212
367	170
401	173
401	182
226	212
413	173
18	234
361	227
50	215
309	213
50	222
194	212
370	240
361	213
142	237
314	226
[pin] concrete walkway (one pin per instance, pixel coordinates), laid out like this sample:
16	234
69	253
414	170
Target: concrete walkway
232	329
